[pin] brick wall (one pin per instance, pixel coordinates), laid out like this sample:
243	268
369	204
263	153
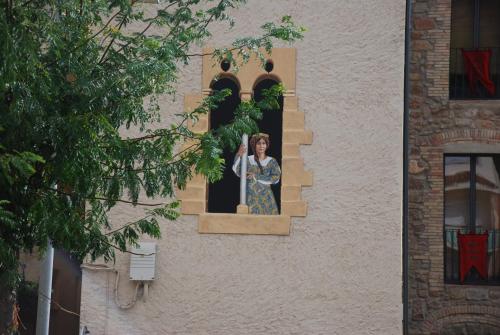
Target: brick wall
435	123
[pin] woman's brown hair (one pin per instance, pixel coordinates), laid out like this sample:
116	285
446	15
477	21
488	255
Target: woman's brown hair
253	144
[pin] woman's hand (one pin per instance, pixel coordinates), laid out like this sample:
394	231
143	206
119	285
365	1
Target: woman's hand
241	150
250	175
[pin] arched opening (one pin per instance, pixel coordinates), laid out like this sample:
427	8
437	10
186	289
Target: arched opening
223	196
272	124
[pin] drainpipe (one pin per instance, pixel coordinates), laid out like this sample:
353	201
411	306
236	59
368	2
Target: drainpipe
408	23
45	292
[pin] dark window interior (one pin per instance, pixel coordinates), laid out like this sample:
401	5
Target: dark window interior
224	195
475	25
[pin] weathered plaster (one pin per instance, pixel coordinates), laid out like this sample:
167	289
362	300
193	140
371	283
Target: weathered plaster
339	271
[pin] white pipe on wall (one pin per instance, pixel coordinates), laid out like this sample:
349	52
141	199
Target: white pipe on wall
45	292
243	172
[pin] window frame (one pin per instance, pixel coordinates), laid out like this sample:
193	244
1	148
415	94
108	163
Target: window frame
457	88
294	134
471	226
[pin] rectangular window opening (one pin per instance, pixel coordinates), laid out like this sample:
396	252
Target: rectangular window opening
474	50
471	206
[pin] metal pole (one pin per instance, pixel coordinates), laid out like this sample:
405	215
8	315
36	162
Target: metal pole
406	146
243	172
477	22
45	292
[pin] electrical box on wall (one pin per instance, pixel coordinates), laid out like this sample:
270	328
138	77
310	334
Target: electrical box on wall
143	262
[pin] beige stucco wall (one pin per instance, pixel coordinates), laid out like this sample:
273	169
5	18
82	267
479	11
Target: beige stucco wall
339	271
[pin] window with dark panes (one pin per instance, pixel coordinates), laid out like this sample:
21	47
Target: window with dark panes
472	207
223	195
474	49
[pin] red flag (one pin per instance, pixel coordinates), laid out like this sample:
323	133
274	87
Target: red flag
473	250
477	68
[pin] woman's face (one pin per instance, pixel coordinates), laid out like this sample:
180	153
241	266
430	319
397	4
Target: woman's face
261	147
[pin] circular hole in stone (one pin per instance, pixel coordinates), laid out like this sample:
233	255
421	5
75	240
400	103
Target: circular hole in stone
268	66
225	65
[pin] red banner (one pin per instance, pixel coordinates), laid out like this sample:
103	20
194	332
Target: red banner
473	250
477	68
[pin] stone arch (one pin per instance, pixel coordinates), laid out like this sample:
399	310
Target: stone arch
451	315
225	75
263	77
460	135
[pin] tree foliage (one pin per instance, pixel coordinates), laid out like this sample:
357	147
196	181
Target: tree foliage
73	78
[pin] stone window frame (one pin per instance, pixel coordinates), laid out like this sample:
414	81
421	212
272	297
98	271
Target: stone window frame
294	177
431	166
472	151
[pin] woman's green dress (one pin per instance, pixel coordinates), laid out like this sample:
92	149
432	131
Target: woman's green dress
260	197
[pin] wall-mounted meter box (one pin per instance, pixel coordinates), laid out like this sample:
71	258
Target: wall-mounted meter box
143	262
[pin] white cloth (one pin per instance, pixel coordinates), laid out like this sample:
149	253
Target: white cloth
252	161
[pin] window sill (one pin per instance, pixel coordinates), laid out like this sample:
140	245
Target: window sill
493	102
476	284
249	224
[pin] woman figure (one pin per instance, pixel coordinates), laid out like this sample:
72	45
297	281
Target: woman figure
262	172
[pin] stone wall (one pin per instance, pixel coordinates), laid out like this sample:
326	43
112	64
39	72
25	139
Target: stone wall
438	125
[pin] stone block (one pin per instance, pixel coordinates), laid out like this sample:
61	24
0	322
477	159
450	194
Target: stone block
307	178
421	45
198	181
293	120
414	167
424	23
457	293
477	294
294	208
291	150
192	193
418	311
242	209
290	103
297	136
463	122
192	101
292	168
215	223
193	206
294	174
290	192
494	293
